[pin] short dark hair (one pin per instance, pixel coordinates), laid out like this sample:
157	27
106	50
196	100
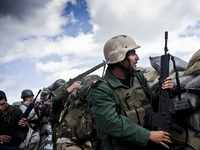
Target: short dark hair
2	95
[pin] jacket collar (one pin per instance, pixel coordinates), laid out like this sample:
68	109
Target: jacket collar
113	81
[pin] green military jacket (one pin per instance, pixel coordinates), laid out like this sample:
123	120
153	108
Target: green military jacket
104	107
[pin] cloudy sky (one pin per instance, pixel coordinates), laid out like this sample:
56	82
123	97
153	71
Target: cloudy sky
45	40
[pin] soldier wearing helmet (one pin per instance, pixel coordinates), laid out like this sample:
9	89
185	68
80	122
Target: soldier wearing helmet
27	95
32	140
119	102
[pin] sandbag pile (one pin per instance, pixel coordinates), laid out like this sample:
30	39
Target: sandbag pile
189	77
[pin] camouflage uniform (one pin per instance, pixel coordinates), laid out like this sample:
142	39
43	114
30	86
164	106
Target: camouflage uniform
70	133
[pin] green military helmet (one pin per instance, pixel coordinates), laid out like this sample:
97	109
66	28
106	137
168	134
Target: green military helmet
86	83
26	92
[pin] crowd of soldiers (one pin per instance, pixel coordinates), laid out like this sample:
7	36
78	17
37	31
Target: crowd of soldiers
95	113
44	117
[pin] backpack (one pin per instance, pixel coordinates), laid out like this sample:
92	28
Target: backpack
76	121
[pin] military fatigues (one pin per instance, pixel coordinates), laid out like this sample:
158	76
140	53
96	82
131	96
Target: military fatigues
32	140
109	110
57	106
75	128
9	124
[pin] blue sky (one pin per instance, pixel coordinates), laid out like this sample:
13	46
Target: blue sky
42	41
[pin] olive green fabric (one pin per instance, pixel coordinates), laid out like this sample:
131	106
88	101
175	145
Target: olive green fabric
103	105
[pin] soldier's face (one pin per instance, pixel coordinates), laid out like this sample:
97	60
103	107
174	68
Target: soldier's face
133	57
3	106
29	99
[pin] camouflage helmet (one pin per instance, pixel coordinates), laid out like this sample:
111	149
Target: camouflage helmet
26	92
116	48
88	80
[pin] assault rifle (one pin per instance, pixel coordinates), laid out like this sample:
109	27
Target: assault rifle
163	120
54	93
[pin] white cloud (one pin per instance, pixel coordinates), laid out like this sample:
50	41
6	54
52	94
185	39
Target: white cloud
38	33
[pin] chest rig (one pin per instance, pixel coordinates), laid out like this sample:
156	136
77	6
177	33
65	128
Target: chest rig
134	103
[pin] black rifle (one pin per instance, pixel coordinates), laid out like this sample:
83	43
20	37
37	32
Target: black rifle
54	93
163	120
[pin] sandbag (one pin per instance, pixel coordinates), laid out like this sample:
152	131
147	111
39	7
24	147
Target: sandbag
180	64
194	83
146	69
194	69
184	80
192	97
194	121
195	57
151	75
180	139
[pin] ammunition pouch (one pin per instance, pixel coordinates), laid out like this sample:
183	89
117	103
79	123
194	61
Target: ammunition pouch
138	115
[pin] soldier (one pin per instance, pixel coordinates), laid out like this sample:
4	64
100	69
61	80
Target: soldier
75	129
58	105
10	118
32	140
119	102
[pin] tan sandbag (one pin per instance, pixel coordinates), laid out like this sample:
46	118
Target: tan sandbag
180	139
195	58
193	70
151	75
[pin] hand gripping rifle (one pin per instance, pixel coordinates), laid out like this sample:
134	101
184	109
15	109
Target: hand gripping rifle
163	120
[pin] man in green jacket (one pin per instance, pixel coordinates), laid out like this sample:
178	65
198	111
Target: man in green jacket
120	100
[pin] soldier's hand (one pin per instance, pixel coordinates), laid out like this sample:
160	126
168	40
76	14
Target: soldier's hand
160	137
168	83
73	86
4	139
23	122
48	102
